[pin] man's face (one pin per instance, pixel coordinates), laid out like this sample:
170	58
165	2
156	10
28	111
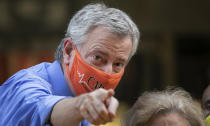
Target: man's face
106	51
102	50
206	101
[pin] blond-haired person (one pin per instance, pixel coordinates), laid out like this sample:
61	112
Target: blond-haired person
171	107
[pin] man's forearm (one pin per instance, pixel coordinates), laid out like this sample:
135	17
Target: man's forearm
98	107
65	112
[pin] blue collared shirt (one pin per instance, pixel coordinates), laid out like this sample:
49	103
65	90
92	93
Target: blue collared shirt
27	98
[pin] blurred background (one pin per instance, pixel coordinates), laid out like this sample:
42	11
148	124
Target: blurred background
174	48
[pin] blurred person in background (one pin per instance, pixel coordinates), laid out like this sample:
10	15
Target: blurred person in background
205	103
171	107
78	87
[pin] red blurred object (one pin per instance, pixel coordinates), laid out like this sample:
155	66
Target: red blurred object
45	57
3	68
16	60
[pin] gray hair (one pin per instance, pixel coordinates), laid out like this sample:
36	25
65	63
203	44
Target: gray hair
99	14
153	104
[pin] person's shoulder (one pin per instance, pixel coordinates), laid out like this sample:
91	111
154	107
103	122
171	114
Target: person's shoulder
39	68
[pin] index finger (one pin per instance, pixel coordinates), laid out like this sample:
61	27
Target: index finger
112	107
103	94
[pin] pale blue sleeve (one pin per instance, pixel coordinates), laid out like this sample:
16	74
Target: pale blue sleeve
85	123
26	104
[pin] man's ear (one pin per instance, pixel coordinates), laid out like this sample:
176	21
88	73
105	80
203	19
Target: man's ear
67	50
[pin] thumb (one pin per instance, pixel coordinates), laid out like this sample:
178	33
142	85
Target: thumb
110	92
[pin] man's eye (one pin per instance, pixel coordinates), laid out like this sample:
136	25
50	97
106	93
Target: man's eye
118	64
97	60
118	67
208	106
97	57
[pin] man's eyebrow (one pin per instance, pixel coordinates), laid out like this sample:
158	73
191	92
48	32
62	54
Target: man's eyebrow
122	59
106	54
101	52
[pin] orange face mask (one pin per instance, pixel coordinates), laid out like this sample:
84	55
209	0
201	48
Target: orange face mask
85	78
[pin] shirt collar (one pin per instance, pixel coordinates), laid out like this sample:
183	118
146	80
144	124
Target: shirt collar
57	80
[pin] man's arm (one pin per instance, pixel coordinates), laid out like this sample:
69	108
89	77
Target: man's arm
98	107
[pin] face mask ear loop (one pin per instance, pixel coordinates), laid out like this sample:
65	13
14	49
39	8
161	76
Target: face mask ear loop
74	46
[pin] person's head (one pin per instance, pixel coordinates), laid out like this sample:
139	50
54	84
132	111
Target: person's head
205	102
105	38
171	107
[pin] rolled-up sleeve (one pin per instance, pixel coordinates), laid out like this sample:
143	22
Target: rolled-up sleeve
27	98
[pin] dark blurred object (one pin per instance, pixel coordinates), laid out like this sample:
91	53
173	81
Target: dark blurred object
193	62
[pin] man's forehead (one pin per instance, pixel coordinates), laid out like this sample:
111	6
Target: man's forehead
103	34
107	43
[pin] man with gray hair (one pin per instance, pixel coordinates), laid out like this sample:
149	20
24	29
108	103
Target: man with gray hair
78	88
